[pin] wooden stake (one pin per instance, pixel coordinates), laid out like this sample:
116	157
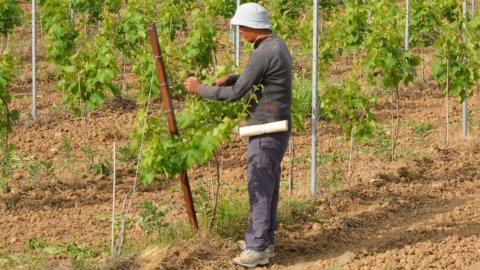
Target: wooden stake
172	124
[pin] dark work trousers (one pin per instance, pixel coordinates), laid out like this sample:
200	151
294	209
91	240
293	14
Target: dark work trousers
264	156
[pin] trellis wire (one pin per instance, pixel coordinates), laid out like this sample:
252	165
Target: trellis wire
113	198
313	179
131	194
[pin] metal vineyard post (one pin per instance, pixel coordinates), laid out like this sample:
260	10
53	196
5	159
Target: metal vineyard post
237	41
34	62
313	180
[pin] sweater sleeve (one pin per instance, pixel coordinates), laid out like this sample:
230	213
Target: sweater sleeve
232	79
252	75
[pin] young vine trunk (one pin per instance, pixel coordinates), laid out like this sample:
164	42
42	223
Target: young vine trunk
216	191
350	158
395	126
423	65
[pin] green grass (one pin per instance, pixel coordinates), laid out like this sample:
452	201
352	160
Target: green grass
302	96
422	129
232	216
322	158
30	261
407	152
473	122
332	178
40	253
293	210
304	159
325	158
380	146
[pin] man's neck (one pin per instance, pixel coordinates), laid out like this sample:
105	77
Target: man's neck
261	38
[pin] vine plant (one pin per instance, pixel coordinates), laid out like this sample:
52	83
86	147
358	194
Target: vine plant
345	102
59	32
388	64
379	61
7	116
346	105
456	57
423	24
9	18
86	64
89	71
203	125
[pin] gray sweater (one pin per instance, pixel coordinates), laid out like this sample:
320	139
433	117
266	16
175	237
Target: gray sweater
269	66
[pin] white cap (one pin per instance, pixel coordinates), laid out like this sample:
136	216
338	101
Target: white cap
251	15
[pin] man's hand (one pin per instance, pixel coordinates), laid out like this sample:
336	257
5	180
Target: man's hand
221	81
192	84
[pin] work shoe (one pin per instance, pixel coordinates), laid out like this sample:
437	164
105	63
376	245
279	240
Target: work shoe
251	258
270	250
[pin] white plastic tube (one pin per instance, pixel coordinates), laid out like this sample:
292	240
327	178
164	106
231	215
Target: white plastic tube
255	130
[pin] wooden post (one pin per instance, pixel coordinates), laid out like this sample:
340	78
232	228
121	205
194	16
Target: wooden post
172	124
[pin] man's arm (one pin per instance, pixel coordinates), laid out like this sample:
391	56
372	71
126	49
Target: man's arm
252	75
192	84
232	79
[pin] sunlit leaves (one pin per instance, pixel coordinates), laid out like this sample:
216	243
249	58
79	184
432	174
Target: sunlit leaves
203	126
59	32
7	116
388	64
456	53
9	16
348	31
7	71
423	23
346	105
200	44
90	77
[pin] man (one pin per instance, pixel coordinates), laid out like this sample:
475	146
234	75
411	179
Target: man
268	76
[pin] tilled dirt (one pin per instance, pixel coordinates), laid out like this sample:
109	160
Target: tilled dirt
429	222
419	212
425	223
